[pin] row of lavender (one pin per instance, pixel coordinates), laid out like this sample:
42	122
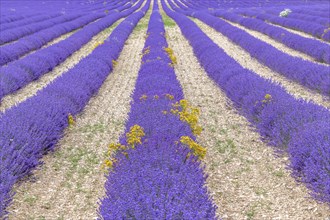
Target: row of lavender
16	33
319	7
316	30
205	4
311	75
294	126
28	20
154	173
14	50
19	73
35	41
32	128
325	22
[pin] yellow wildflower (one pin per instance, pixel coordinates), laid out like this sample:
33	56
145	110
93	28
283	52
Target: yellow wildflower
70	120
134	135
114	63
198	150
169	96
268	96
108	163
171	55
189	114
267	99
98	44
143	97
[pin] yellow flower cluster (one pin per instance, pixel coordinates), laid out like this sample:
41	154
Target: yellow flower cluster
98	44
145	51
156	97
171	55
134	135
198	150
143	97
189	114
267	99
113	148
169	96
70	120
107	164
114	63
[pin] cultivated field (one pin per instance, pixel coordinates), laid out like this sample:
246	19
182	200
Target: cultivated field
165	109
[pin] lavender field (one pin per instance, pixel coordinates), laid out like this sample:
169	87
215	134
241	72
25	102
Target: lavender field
165	109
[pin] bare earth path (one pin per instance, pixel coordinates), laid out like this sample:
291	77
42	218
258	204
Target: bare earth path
71	181
32	88
246	179
248	62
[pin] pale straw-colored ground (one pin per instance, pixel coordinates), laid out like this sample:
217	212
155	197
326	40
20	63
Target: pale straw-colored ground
246	179
71	181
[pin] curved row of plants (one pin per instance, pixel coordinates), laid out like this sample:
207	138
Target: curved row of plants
16	33
302	17
26	21
15	50
318	31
